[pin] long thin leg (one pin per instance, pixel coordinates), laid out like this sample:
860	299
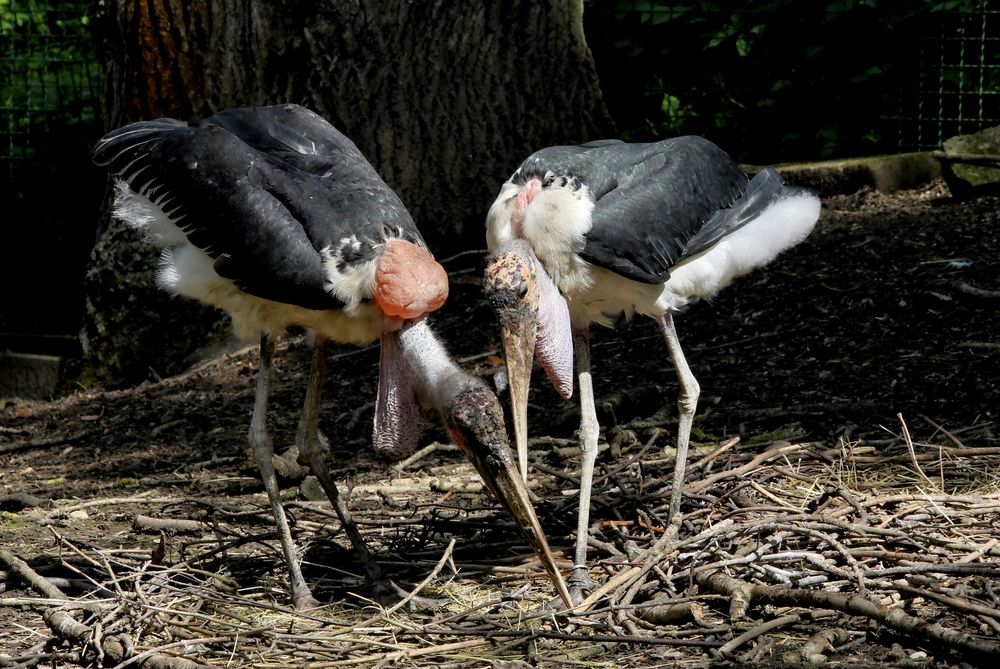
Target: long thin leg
263	451
579	581
311	454
687	402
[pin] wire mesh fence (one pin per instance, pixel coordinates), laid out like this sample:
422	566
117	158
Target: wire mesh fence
776	81
49	71
784	80
954	87
48	120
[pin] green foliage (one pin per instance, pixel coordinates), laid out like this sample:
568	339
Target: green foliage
50	55
48	122
24	13
11	521
773	81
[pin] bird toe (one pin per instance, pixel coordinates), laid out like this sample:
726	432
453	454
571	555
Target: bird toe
304	601
580	585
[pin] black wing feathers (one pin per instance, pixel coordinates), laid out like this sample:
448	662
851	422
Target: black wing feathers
261	190
762	191
655	204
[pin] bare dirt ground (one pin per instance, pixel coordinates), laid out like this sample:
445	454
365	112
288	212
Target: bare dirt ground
842	504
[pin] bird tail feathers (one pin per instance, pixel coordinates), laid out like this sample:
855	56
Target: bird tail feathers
762	191
769	220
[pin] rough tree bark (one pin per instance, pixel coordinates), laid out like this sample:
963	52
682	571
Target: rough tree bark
443	98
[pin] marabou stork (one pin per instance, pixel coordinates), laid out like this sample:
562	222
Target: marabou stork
585	234
273	215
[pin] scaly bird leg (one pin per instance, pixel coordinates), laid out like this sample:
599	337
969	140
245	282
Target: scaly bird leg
261	443
580	583
687	402
311	454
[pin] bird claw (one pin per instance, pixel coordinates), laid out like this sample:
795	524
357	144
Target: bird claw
308	446
580	585
304	601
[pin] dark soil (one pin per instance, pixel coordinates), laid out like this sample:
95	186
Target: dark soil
888	313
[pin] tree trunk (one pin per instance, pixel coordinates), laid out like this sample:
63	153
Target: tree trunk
445	99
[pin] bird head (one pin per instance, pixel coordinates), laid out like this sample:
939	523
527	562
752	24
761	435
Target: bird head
511	286
534	320
475	420
417	376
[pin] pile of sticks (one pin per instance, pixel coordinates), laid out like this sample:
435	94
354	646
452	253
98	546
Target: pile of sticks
788	552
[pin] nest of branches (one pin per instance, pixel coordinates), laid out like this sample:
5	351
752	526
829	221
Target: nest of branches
790	553
855	523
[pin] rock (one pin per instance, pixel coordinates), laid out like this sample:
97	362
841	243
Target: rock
29	375
17	501
885	173
965	175
312	490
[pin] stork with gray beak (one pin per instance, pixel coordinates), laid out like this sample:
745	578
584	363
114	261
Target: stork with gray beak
586	234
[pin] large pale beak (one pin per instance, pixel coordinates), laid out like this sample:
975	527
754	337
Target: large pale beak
511	285
476	422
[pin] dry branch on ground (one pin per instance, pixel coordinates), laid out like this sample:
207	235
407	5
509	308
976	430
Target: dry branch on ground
843	504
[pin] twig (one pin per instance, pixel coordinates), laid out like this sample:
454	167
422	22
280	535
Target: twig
143	522
723	447
913	455
422	453
951	437
670	612
66	626
19	500
43	442
979	552
21	569
96	605
968	452
990	345
391	658
174	662
771	496
114	501
815	649
760	630
756	462
954	602
430	577
963	287
567	636
853	604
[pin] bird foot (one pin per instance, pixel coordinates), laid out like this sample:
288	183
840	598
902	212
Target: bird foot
304	601
386	592
580	585
306	448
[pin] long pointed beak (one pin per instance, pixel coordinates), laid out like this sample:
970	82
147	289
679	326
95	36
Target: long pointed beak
519	346
512	287
476	422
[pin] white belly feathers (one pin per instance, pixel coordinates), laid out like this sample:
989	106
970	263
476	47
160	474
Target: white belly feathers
187	270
